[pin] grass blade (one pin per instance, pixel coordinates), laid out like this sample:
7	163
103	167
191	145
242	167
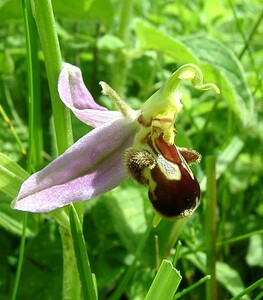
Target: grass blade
165	282
88	288
248	289
193	286
211	285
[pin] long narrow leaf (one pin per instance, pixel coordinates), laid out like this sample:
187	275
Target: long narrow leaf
11	176
165	282
88	288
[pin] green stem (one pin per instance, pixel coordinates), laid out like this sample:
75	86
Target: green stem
128	275
177	252
12	130
35	142
211	287
251	35
193	286
21	258
43	13
249	289
35	129
174	234
119	74
86	277
71	282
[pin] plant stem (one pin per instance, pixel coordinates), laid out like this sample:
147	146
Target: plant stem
86	277
35	143
193	286
251	35
211	287
71	282
43	13
21	258
13	132
35	147
177	252
126	278
119	74
249	289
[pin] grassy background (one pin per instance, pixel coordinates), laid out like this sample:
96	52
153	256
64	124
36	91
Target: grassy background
135	48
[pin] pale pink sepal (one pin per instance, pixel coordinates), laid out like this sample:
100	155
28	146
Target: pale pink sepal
92	166
76	97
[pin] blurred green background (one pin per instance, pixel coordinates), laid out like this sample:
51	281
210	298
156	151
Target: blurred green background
134	46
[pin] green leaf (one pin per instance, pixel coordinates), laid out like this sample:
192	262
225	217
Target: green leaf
102	11
252	287
255	251
91	10
191	287
110	42
11	176
217	62
127	210
88	288
76	9
12	220
226	275
10	10
165	282
221	66
226	158
42	265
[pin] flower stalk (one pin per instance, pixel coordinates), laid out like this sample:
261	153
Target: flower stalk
43	13
119	73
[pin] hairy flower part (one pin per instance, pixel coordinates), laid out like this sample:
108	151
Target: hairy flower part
172	187
125	142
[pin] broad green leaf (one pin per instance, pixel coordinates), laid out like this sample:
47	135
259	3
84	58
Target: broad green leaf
102	11
126	206
110	42
217	62
76	9
165	282
91	10
249	289
12	220
221	66
10	10
153	38
6	64
11	176
255	251
42	265
226	158
228	155
226	275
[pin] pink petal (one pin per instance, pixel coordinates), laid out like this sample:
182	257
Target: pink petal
76	97
90	167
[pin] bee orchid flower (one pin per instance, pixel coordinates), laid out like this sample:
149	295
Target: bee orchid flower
127	142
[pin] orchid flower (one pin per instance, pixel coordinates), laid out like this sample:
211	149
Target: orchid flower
136	143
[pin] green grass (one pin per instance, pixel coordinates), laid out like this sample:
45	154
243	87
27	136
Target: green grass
134	48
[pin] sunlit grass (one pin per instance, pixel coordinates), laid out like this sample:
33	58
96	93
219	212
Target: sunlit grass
142	50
